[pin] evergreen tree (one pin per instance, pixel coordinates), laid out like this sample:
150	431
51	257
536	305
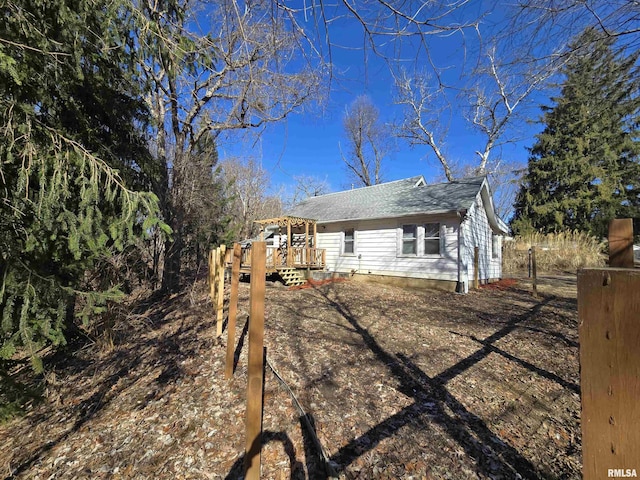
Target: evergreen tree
73	163
584	168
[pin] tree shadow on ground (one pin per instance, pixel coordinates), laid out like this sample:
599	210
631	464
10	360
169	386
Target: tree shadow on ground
434	403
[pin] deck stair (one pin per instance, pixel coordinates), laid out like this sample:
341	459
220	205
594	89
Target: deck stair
292	277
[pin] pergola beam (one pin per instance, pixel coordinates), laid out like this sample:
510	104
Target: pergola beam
286	220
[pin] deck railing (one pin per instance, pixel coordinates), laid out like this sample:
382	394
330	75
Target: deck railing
296	257
306	257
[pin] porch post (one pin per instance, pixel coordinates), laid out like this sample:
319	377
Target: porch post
315	234
288	242
306	243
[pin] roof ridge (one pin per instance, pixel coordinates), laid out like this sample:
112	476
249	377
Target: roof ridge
366	186
455	180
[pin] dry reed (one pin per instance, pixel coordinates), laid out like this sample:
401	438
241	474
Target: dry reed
562	251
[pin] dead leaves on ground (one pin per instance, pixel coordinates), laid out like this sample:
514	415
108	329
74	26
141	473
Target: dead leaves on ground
399	383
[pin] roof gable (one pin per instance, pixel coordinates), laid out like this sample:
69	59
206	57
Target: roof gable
410	196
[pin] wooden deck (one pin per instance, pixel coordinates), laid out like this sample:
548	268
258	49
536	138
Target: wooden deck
295	257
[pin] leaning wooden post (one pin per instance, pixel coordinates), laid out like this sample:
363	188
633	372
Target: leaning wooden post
220	289
233	309
476	267
534	272
609	331
256	366
621	243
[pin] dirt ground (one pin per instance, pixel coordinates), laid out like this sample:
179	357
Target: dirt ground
397	383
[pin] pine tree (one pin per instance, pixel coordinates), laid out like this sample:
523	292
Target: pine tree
584	168
73	161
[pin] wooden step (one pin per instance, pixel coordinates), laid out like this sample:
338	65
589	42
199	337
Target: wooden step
292	277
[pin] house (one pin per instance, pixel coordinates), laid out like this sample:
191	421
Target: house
409	231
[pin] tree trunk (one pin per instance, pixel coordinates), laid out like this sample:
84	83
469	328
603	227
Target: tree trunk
172	262
71	330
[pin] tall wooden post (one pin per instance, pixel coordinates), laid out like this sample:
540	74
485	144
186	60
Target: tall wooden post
534	272
621	243
608	313
288	242
315	235
307	253
256	366
476	267
220	288
233	309
212	276
315	242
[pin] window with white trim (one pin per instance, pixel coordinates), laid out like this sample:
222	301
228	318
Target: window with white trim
409	239
349	240
432	239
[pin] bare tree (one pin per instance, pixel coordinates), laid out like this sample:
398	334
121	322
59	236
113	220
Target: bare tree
552	25
367	141
423	115
249	185
228	68
306	186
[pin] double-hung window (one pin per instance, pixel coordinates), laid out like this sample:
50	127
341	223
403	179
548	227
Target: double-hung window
432	239
409	239
348	246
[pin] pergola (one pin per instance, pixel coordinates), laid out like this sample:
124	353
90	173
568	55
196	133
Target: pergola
289	223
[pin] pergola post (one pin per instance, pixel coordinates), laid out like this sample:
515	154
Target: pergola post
315	235
315	243
288	242
306	243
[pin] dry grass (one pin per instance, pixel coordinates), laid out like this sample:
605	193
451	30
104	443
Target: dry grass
564	251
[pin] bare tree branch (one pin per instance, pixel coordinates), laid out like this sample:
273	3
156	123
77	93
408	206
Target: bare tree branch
422	120
367	141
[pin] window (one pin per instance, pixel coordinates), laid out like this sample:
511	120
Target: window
432	239
495	246
409	239
349	241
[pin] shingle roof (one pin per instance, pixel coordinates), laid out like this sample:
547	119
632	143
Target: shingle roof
392	199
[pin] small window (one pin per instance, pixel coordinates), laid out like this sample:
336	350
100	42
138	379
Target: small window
409	239
495	246
432	239
349	241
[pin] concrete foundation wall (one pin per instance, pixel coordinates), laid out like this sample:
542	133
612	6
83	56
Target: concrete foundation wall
431	284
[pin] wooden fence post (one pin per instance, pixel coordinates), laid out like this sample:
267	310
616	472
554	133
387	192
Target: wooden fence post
220	254
476	267
621	243
256	365
608	313
233	309
534	272
212	276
